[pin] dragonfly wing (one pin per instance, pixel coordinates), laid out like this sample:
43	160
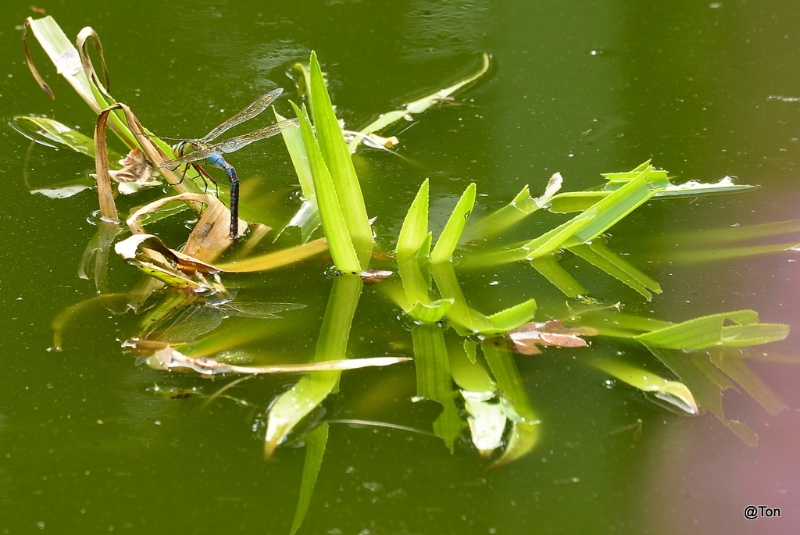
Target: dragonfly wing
194	156
235	143
259	105
256	309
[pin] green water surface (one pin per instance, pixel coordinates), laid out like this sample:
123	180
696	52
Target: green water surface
705	89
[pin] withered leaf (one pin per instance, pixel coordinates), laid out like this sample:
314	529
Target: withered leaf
136	173
527	337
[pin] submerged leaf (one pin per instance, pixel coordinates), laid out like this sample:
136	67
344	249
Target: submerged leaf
294	405
434	381
315	441
418	106
601	257
526	426
673	392
707	383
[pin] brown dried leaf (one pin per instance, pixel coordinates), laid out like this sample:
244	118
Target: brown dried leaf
136	173
527	337
373	276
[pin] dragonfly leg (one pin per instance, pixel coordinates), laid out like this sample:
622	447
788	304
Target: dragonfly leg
206	178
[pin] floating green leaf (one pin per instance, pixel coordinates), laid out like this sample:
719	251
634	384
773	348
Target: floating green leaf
732	329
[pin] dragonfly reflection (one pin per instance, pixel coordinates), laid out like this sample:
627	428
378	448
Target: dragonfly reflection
186	318
193	150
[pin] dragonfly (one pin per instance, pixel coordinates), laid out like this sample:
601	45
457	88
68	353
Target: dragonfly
189	151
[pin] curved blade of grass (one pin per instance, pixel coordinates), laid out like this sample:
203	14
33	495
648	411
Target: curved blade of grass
448	240
333	221
105	194
434	381
513	317
73	65
315	441
422	104
292	406
68	315
340	164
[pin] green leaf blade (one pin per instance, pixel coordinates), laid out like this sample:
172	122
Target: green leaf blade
340	165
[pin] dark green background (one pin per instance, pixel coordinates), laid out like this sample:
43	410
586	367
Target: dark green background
692	85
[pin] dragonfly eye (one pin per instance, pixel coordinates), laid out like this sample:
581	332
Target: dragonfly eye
179	148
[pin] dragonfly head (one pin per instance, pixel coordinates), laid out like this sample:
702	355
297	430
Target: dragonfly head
180	148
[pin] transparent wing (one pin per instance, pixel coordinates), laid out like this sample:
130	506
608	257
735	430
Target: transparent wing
254	309
235	143
246	114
